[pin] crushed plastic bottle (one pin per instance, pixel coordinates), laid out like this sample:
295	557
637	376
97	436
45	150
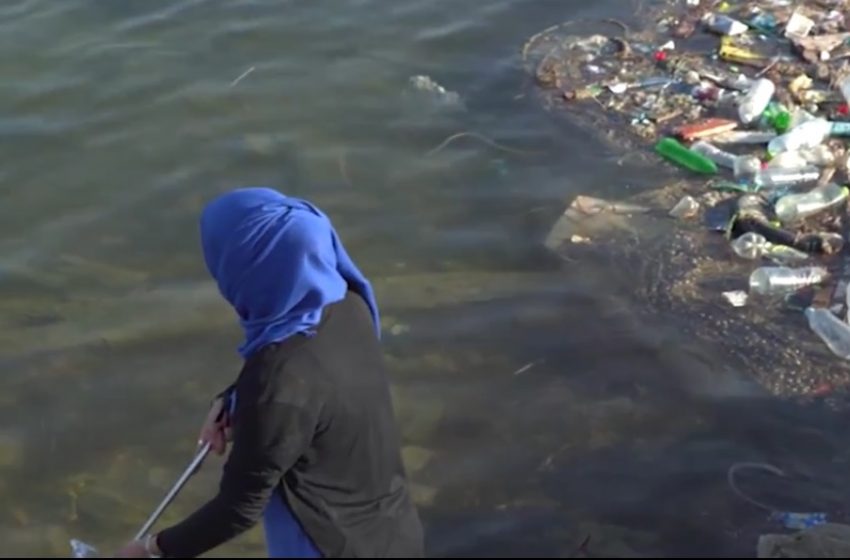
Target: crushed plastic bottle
776	177
793	207
809	134
775	280
834	332
756	100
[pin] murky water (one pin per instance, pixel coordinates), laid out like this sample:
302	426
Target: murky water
538	406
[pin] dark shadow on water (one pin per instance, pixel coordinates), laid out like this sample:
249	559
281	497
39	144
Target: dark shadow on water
578	445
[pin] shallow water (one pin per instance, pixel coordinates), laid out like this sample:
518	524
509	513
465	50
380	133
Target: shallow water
539	406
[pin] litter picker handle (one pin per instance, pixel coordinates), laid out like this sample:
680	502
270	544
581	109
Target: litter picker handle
187	474
228	407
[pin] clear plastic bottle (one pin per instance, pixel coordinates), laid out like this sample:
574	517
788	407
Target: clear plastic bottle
750	246
772	280
734	137
819	155
788	161
715	154
777	177
809	134
753	245
793	207
756	100
832	331
746	168
799	116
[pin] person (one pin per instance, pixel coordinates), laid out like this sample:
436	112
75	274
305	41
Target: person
314	447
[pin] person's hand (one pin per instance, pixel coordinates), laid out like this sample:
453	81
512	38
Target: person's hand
133	549
216	429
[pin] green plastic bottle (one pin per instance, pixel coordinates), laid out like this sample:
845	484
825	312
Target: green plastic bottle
777	117
672	150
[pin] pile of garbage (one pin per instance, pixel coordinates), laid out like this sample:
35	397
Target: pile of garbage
754	97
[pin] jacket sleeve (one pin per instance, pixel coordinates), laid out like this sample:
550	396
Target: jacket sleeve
268	438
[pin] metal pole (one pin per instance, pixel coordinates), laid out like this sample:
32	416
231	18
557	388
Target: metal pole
187	474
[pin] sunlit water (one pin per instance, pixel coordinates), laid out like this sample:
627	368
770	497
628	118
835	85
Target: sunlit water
537	407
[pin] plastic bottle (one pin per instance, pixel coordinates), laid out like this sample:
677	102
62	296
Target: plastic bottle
809	134
755	101
831	330
770	280
739	82
777	117
794	207
715	154
819	155
673	150
724	25
799	116
788	161
750	245
777	177
744	137
753	245
746	168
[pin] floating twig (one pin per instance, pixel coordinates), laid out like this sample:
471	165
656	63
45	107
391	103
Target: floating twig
242	76
527	367
484	139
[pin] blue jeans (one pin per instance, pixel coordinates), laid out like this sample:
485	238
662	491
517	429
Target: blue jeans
285	538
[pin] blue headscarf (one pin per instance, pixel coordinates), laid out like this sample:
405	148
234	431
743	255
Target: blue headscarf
278	261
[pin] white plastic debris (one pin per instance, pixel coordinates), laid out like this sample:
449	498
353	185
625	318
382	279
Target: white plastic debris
736	298
424	85
686	208
798	25
618	88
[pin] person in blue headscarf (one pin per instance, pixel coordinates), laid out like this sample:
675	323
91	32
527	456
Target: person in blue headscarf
315	451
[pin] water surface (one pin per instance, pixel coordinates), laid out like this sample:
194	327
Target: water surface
538	406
